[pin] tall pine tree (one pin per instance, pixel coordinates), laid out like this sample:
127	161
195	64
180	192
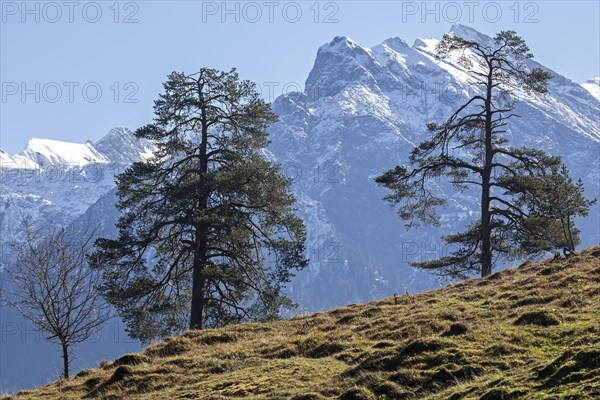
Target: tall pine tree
471	151
208	234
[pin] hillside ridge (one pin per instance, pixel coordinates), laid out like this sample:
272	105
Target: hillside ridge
531	332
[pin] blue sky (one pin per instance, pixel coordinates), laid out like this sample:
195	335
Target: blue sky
71	71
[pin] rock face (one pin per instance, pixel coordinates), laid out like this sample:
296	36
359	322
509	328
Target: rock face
362	111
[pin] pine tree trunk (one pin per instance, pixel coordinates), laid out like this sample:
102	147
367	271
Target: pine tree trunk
198	284
200	253
570	230
486	229
486	234
65	357
565	231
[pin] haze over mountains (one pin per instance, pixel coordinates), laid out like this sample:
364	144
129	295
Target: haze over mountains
362	111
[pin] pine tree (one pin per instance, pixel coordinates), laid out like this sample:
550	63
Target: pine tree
470	150
552	207
208	234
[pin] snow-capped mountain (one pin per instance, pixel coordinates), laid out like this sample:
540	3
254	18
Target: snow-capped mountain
57	181
362	111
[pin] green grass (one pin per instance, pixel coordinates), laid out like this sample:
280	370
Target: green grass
527	333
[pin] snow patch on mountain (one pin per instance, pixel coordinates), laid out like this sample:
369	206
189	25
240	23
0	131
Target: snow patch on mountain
119	146
593	86
45	151
468	33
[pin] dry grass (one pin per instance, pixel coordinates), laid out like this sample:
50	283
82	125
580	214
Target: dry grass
532	332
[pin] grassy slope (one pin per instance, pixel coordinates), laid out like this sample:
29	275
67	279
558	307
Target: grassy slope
532	332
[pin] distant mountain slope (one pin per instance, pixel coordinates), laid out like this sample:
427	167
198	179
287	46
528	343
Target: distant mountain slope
527	333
